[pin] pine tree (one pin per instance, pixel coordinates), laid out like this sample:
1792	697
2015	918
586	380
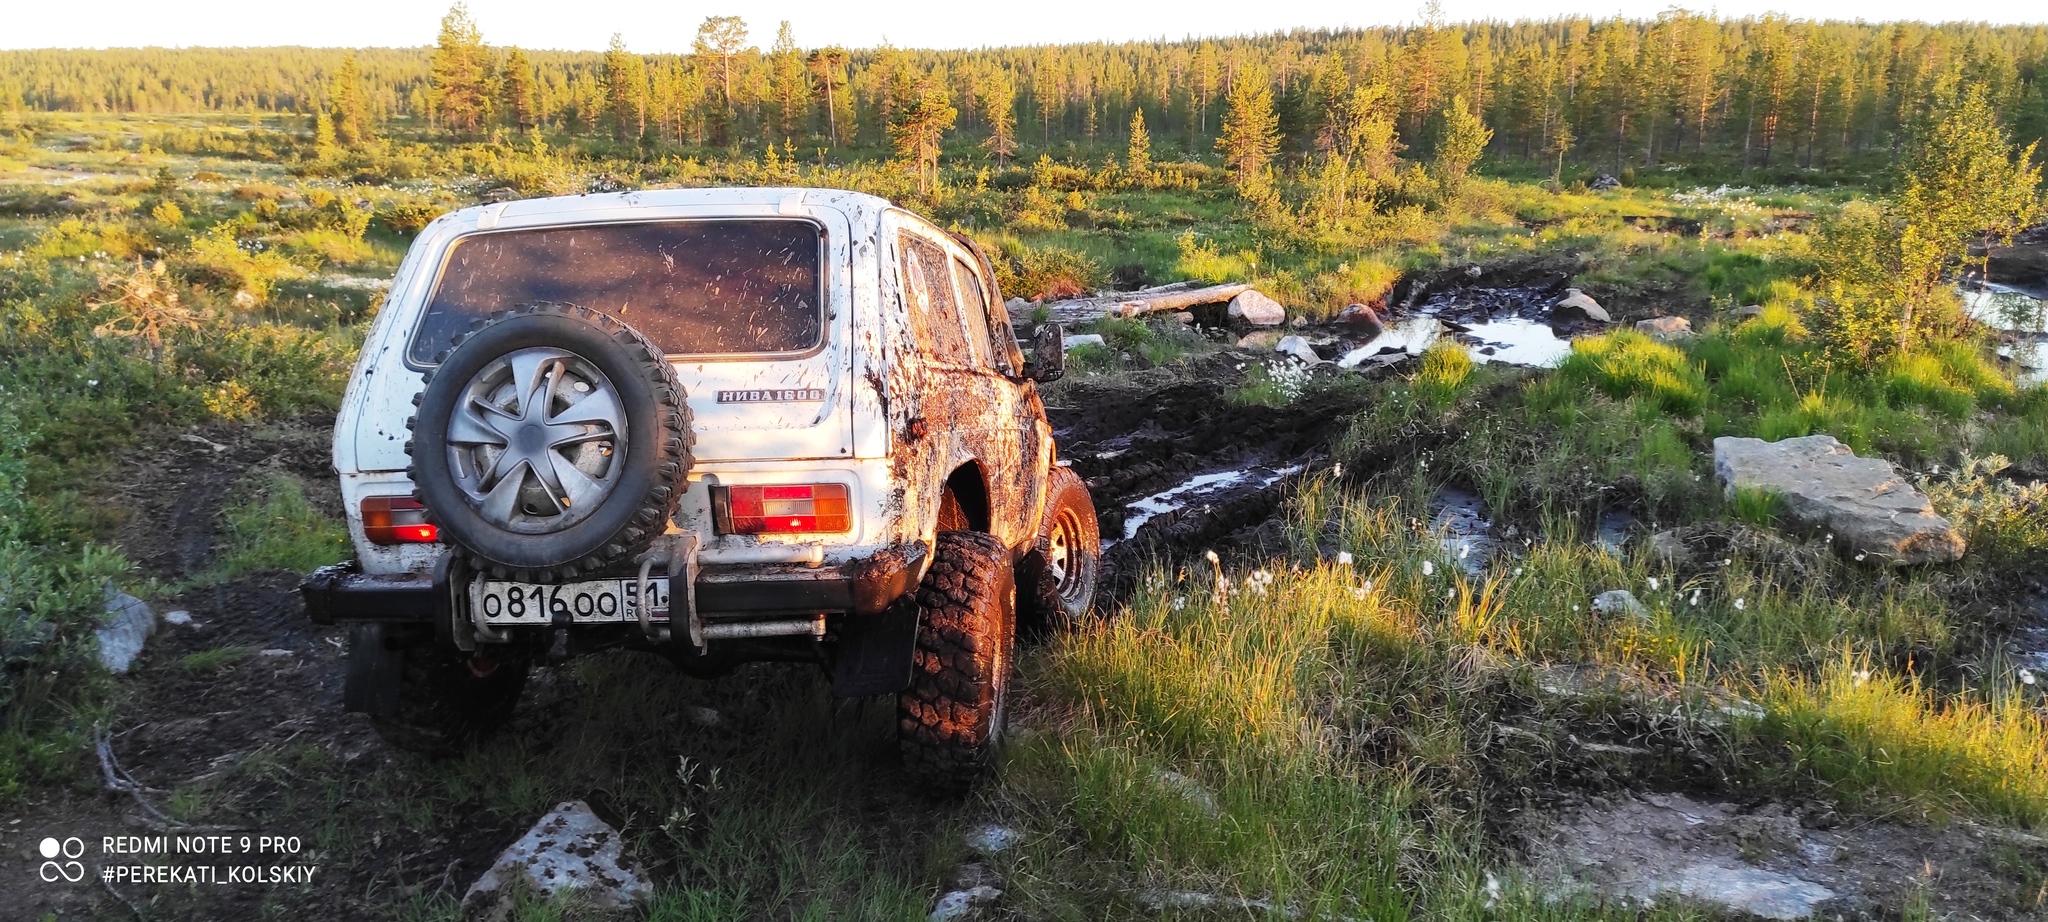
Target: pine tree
720	39
1138	160
996	95
1048	84
625	90
520	98
789	82
1251	131
922	119
829	66
354	125
461	73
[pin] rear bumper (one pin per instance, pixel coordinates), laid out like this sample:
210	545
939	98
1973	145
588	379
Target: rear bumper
343	593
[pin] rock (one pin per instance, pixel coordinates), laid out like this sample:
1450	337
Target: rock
1361	318
1160	900
957	904
1666	328
703	716
1256	309
1620	602
1189	790
202	440
1184	318
1749	310
568	849
1298	348
1473	271
127	627
1604	182
992	838
1017	307
1668	547
274	651
1576	305
1260	339
1863	502
1083	339
180	617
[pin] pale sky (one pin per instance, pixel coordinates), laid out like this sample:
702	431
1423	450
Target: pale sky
669	26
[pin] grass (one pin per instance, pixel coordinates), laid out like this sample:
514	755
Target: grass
275	528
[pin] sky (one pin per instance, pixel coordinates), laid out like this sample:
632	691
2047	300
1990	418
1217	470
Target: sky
669	27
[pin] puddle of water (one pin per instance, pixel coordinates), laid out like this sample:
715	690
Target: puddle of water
1463	530
1517	341
1197	489
2005	307
1412	336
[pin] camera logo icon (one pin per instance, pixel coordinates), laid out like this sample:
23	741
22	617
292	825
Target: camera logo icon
70	870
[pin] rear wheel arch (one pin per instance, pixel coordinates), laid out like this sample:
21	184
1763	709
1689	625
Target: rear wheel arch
965	503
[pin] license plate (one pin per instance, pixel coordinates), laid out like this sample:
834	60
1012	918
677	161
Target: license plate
596	601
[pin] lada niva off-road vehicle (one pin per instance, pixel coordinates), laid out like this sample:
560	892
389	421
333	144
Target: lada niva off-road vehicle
724	425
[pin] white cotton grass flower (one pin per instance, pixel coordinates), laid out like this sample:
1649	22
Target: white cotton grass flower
1862	554
2026	676
1429	568
1695	598
1464	551
1861	676
1450	593
1360	593
1344	558
1741	604
1653	584
1180	602
1211	555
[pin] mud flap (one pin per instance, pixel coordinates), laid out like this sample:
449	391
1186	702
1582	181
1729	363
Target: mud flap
374	670
875	651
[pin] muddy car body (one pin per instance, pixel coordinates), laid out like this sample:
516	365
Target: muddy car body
842	391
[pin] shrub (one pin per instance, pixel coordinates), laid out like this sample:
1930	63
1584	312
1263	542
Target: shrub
1446	367
1627	363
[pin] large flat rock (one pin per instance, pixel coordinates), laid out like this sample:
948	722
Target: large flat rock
568	849
1863	502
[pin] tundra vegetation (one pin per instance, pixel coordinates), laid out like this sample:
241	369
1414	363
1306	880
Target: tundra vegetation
191	241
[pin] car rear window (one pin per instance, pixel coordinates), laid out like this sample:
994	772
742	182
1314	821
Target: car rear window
729	287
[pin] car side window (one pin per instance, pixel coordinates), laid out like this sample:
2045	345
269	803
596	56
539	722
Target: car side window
974	307
934	315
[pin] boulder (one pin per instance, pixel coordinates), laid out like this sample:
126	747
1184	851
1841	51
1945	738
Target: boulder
1184	318
1361	318
127	627
1299	348
1083	339
1604	182
1260	339
1863	502
1577	305
1256	309
568	849
1666	328
1017	307
1615	603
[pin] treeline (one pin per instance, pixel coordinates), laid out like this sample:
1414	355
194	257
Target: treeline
1761	92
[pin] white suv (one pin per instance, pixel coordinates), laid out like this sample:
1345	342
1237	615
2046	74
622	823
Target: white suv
795	422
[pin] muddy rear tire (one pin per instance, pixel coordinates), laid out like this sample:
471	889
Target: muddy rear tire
950	720
444	707
1056	581
551	440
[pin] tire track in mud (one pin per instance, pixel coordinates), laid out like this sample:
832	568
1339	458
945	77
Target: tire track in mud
1216	471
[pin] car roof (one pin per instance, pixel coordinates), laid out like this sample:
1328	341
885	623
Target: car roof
568	208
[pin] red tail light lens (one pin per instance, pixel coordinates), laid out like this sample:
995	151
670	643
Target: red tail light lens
397	520
782	510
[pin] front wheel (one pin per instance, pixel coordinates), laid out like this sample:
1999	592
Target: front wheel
1057	579
950	720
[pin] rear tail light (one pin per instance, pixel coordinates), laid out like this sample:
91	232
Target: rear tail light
781	510
397	520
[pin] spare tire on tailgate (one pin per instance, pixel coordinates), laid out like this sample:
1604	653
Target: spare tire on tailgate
551	440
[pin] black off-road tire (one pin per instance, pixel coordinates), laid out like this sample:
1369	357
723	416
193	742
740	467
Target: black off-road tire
445	707
949	722
1051	597
656	452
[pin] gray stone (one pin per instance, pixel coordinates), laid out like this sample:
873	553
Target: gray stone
957	904
180	617
1361	318
1577	305
1666	328
1604	182
1863	502
992	838
1668	547
1189	790
1018	307
128	625
568	849
1083	339
1298	348
1749	310
1260	339
1256	309
1619	603
1184	318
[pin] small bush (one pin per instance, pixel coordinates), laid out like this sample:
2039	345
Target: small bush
1627	363
1446	367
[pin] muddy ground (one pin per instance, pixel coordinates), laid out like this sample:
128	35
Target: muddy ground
259	733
